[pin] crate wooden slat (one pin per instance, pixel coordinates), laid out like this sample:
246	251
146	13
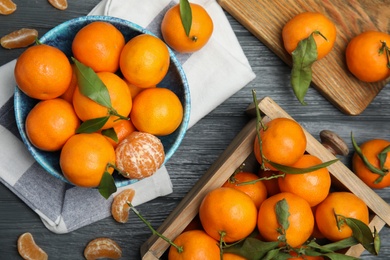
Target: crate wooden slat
239	151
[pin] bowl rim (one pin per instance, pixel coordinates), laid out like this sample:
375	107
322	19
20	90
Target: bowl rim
181	131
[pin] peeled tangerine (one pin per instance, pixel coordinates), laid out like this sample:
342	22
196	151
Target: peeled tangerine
139	155
102	247
28	249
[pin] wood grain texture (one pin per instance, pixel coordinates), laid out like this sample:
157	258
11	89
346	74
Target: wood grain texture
266	18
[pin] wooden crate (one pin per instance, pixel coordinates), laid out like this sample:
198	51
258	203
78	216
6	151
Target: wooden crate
239	151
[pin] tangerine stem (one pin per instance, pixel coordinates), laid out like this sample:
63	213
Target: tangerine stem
113	112
223	234
258	123
319	33
155	232
386	49
261	179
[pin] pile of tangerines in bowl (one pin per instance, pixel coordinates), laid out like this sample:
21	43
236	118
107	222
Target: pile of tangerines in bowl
98	94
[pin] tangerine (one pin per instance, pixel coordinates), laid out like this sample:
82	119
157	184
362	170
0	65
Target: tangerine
121	102
98	45
174	33
144	60
196	244
367	56
257	190
231	256
122	129
7	7
50	123
344	204
301	219
43	72
102	247
228	214
370	150
283	142
139	155
28	249
85	157
157	111
312	186
302	25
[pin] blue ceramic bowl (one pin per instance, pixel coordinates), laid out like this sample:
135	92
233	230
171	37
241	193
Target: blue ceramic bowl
61	37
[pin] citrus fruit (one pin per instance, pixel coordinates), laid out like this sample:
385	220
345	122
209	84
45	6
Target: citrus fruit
283	142
139	155
122	129
344	204
59	4
174	33
144	61
19	39
196	244
366	56
50	123
270	183
257	190
102	247
98	45
302	25
301	219
231	256
84	159
228	214
120	207
43	72
28	249
68	94
157	111
370	150
134	90
312	186
7	7
87	109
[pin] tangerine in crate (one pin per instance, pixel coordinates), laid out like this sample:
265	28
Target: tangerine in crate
61	38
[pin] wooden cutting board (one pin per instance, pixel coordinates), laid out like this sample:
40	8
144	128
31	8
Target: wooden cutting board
266	18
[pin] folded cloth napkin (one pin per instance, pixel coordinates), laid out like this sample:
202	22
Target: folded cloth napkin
214	73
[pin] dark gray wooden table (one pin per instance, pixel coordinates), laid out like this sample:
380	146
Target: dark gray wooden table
201	147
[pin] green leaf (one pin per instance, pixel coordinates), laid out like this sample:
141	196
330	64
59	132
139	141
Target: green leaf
303	58
276	254
366	162
362	233
282	214
92	125
293	170
251	248
377	241
91	85
335	246
382	156
107	185
186	16
338	256
110	133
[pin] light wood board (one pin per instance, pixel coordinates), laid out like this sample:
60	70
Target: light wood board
266	18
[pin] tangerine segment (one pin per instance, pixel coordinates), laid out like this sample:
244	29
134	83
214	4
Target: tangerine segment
301	219
59	4
283	142
196	244
228	214
157	111
50	123
102	247
174	34
19	38
120	97
120	207
144	60
98	45
302	25
7	7
84	159
139	155
43	72
28	249
364	57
